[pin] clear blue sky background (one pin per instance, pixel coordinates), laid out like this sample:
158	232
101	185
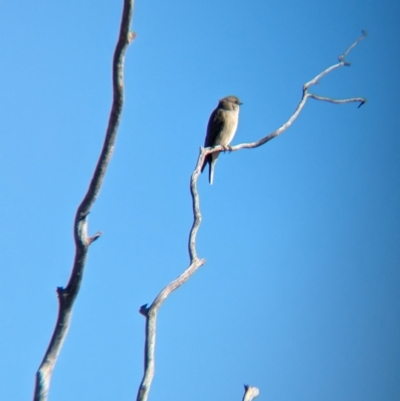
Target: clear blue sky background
300	293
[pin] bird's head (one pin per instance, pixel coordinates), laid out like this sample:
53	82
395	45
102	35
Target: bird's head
230	102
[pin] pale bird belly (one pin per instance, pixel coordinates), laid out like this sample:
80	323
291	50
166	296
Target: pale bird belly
229	130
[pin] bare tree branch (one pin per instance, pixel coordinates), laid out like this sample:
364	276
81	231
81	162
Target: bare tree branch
67	295
151	319
354	44
306	95
250	393
150	313
359	100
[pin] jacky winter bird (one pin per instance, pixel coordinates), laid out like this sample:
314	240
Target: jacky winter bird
221	129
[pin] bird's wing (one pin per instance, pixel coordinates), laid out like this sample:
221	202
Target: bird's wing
214	127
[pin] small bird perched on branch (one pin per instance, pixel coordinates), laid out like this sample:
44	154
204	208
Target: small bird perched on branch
221	129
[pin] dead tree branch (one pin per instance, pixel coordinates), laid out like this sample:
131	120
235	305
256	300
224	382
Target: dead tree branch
150	313
67	295
305	96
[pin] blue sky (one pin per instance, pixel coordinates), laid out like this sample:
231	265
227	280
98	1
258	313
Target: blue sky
299	295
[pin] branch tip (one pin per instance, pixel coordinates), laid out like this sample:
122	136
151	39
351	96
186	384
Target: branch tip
95	237
362	102
354	44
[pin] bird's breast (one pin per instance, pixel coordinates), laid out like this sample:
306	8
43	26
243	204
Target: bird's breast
229	129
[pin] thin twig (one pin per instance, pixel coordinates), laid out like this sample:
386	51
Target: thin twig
359	39
67	295
359	100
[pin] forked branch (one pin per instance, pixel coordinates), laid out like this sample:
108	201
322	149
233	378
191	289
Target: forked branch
150	313
67	295
305	96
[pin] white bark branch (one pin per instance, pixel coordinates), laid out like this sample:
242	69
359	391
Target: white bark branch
67	295
305	96
150	313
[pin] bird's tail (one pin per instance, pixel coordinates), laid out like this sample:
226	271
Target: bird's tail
211	171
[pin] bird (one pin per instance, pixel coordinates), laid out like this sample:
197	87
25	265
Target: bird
221	129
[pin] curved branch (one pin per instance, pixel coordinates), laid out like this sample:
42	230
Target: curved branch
150	313
151	319
359	100
354	44
306	95
67	295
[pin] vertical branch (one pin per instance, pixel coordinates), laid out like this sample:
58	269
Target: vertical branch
67	295
195	207
150	313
